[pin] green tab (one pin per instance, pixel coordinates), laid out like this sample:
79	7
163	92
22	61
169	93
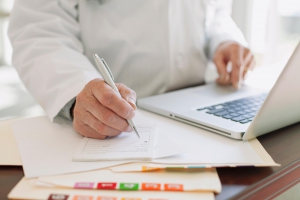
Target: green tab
129	186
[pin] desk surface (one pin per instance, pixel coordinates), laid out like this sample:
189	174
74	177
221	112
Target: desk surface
237	183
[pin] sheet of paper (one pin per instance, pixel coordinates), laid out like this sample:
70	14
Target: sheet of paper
197	180
9	154
204	147
126	146
27	189
57	143
47	149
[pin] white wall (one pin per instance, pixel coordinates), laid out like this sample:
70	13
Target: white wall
5	48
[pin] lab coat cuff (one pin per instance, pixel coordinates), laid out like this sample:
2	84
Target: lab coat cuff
66	110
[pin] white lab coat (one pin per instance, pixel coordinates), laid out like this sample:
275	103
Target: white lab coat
152	46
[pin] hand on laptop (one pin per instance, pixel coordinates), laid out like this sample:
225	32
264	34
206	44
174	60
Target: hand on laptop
241	60
100	112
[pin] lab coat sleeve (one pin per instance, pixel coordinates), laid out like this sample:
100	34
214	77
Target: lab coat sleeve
48	53
220	27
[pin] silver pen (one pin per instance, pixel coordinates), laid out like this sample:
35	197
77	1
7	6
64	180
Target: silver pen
109	79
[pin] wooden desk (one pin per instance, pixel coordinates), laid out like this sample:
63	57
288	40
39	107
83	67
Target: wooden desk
238	183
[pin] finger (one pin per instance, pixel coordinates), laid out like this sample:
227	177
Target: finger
221	66
248	67
111	99
236	59
128	94
247	55
106	116
98	126
86	130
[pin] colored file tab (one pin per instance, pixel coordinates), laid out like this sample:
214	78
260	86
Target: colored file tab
81	197
106	198
151	186
173	187
58	197
84	185
129	186
196	167
126	198
148	168
106	186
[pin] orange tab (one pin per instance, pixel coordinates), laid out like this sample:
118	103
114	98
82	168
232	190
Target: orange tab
106	198
80	197
173	187
147	168
151	186
128	198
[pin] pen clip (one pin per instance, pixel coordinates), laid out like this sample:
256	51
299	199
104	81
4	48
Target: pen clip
106	66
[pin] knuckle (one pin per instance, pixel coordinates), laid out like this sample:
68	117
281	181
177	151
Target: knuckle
101	128
108	117
94	84
124	111
235	50
80	98
131	114
106	98
89	86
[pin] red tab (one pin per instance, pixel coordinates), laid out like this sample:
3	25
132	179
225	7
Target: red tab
106	186
58	197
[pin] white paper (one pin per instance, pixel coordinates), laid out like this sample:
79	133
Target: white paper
203	147
126	146
47	149
165	146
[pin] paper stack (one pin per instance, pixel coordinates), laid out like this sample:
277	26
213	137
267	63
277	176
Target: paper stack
108	184
182	162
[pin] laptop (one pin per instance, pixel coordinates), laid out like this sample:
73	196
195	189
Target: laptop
240	114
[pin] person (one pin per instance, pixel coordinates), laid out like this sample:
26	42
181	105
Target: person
151	47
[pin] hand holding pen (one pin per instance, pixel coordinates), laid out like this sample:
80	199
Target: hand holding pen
99	111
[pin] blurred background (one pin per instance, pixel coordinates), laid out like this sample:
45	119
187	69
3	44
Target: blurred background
271	27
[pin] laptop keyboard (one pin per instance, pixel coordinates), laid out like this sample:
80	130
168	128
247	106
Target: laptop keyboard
241	110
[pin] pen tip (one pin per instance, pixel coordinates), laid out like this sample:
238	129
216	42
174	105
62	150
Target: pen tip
135	130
